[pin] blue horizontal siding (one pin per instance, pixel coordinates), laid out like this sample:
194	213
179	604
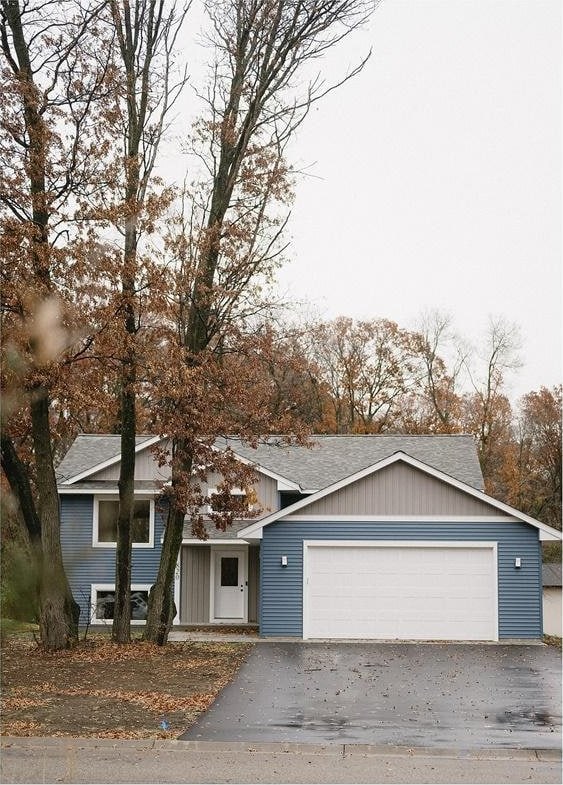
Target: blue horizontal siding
86	565
519	590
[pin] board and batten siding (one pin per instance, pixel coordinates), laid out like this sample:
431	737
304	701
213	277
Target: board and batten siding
519	590
265	487
400	489
86	565
196	576
194	598
146	468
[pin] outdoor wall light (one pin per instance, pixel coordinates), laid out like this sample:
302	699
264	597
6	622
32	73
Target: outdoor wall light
518	562
284	561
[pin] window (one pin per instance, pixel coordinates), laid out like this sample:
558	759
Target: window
105	523
229	571
103	601
223	501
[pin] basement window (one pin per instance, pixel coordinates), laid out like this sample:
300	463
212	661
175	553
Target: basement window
103	602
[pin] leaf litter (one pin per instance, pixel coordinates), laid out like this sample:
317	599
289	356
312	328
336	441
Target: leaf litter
105	690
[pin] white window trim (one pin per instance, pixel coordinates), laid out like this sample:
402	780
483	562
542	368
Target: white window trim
96	587
95	518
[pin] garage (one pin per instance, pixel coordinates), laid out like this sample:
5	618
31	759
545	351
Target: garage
412	590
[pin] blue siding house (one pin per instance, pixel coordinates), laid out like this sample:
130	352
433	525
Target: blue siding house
355	537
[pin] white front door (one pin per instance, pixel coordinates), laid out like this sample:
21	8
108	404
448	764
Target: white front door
230	585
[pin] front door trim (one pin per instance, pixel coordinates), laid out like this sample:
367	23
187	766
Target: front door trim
216	552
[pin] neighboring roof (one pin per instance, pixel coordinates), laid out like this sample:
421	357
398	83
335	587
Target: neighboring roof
254	529
551	574
89	450
331	458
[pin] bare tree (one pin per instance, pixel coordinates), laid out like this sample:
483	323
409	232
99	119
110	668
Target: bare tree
440	380
487	408
254	105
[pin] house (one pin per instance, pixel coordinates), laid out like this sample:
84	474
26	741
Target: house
552	610
384	537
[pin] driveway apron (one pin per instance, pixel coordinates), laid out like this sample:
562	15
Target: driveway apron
422	695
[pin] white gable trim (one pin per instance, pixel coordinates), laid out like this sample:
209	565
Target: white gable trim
404	518
110	461
255	529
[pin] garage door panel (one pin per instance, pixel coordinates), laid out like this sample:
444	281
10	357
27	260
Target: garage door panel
435	592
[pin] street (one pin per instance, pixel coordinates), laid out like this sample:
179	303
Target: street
38	760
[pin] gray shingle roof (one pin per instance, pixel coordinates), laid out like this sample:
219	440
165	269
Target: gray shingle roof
216	534
331	458
89	450
551	574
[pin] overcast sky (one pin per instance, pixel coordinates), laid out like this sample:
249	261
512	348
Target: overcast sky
434	177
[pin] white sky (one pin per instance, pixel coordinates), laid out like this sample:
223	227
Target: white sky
434	177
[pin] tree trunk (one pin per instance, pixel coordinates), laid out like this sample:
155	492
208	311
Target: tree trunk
160	614
16	474
59	613
121	630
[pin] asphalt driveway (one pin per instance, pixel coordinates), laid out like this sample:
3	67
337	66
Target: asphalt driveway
432	695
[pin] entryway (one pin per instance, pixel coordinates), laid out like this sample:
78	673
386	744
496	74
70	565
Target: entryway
230	583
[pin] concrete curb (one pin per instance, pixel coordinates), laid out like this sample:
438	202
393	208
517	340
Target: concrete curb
211	637
240	747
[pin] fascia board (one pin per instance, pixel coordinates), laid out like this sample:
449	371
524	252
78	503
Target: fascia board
110	461
70	491
547	531
194	541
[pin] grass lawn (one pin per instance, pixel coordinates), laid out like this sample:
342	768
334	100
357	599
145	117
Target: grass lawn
104	690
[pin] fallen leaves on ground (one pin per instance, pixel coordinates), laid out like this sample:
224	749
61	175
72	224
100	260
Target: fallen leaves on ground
105	690
159	702
20	728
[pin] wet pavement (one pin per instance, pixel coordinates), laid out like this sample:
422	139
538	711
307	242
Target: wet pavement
413	695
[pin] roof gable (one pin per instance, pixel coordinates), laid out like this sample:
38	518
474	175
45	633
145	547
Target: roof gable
400	489
329	459
255	529
90	453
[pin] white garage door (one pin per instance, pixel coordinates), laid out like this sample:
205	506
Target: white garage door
414	590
